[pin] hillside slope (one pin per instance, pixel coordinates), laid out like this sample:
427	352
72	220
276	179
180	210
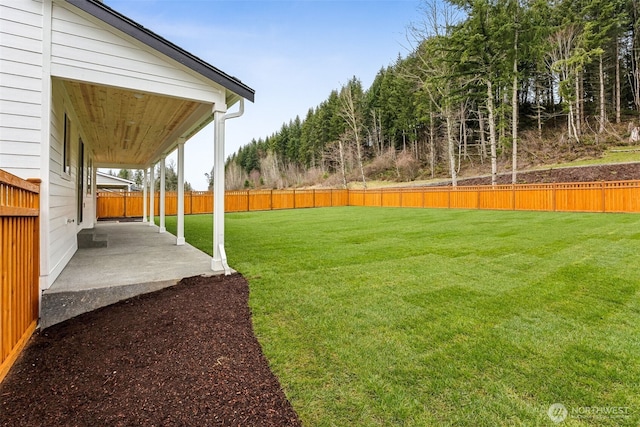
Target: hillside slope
609	172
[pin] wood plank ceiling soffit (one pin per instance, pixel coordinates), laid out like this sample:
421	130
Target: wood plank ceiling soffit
125	127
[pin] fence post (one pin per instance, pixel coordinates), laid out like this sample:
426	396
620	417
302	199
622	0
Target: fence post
554	195
35	274
125	204
603	195
513	196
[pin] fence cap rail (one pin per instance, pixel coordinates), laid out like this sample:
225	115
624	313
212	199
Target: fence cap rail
31	185
417	189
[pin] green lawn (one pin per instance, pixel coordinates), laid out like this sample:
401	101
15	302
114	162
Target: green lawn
418	317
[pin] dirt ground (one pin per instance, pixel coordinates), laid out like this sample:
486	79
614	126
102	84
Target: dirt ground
185	355
612	172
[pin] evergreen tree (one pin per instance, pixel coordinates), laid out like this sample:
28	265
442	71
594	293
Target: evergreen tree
170	178
125	174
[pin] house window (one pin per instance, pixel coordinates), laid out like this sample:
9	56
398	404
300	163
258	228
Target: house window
80	179
66	147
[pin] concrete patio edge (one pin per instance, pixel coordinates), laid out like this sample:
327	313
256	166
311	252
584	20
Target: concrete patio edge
60	306
137	259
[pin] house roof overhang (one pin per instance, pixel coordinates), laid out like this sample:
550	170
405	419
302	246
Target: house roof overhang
131	128
104	180
162	45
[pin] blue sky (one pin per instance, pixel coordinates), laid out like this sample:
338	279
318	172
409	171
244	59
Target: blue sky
293	53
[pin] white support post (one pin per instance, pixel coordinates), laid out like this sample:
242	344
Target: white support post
219	261
180	232
152	195
163	194
144	196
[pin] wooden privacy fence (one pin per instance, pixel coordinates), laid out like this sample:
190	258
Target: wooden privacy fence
613	196
19	265
129	204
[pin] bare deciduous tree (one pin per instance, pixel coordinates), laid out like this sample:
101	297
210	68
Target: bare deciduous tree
563	43
234	177
435	73
351	112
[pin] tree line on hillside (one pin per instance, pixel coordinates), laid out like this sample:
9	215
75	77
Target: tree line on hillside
482	74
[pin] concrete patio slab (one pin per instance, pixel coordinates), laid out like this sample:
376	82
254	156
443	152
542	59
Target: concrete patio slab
137	259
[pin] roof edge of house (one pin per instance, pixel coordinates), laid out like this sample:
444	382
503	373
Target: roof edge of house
115	178
144	35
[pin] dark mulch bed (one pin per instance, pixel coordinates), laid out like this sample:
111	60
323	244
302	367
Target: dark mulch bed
185	355
613	172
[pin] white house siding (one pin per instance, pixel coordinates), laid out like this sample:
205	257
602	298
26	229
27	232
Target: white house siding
63	216
21	87
42	44
63	224
87	50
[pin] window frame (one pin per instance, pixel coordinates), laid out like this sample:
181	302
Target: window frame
66	148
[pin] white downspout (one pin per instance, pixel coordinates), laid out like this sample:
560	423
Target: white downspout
219	260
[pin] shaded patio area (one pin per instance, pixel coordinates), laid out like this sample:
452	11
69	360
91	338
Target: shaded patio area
130	258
